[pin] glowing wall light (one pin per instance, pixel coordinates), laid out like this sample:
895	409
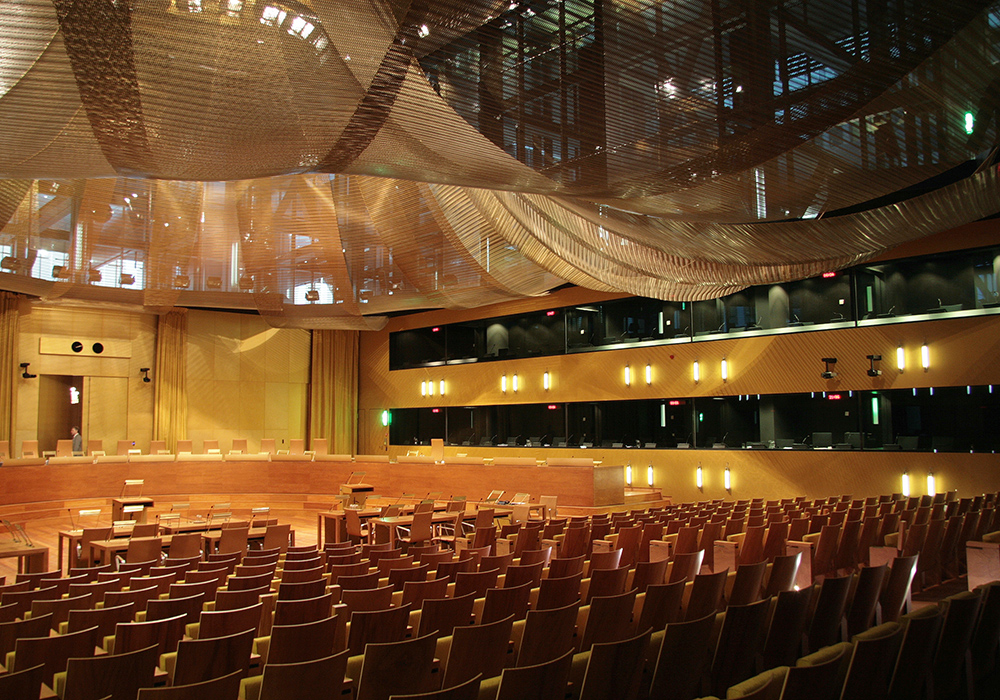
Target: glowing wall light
649	374
931	485
545	381
386	418
925	357
905	485
900	358
628	376
503	383
628	474
696	371
699	479
724	369
649	475
430	388
513	383
423	388
441	385
727	479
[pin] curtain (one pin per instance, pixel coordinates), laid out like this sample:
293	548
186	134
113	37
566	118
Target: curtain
8	362
333	405
170	377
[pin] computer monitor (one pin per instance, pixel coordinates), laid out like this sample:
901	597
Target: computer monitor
822	439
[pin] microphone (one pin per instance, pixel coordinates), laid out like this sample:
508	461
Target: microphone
891	309
724	438
72	525
939	302
796	317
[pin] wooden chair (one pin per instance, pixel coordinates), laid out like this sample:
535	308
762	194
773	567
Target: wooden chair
872	662
138	597
24	599
477	650
377	627
566	566
661	604
706	594
294	612
105	619
606	619
648	573
784	570
416	592
143	549
867	585
162	608
289	644
359	582
786	634
829	624
540	682
558	592
415	574
277	536
683	660
748	583
132	636
303	590
355	530
242	583
303	575
396	667
184	546
233	540
815	677
443	615
367	599
952	671
605	582
501	602
614	669
222	623
316	679
545	634
11	631
198	659
224	688
61	607
119	676
23	684
420	531
53	652
477	582
685	567
518	574
895	598
740	642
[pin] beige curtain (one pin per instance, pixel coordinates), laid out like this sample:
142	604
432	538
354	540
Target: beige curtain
333	406
170	377
8	362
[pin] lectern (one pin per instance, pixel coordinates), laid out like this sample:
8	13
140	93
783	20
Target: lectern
131	496
354	488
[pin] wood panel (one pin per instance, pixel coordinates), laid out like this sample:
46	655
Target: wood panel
583	486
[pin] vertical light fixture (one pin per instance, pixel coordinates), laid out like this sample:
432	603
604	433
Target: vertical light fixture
925	357
905	484
698	478
649	475
931	485
728	479
628	376
503	383
545	381
628	474
649	374
430	388
513	383
900	358
423	388
724	368
696	371
385	419
441	386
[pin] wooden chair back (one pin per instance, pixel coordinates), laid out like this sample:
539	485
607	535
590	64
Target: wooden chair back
319	679
544	680
506	601
165	634
221	623
614	669
547	634
53	652
117	676
294	612
377	627
198	659
442	615
302	642
478	650
224	687
397	668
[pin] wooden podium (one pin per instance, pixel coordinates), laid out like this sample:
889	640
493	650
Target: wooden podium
118	508
355	487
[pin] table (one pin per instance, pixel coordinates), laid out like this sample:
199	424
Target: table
30	559
106	549
210	539
73	537
332	527
393	521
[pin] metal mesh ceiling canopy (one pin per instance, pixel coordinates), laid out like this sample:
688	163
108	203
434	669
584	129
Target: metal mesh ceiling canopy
332	161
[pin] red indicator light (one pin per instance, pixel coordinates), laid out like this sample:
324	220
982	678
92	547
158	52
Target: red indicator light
552	407
435	329
675	403
435	410
833	397
550	313
828	275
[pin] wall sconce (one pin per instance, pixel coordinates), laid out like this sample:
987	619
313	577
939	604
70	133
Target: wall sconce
727	480
628	474
699	478
696	371
905	485
649	374
545	381
873	371
24	371
423	388
724	368
900	359
931	485
649	475
145	374
441	387
827	372
628	376
925	357
430	388
503	383
513	383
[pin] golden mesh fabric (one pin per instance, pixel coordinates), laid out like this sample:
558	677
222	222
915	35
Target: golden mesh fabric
330	162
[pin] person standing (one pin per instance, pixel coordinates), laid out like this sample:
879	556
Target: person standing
77	439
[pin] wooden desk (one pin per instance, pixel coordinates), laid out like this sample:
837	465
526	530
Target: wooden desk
30	559
72	538
118	507
392	522
107	549
332	527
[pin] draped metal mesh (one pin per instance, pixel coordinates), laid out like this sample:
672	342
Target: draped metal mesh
333	161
